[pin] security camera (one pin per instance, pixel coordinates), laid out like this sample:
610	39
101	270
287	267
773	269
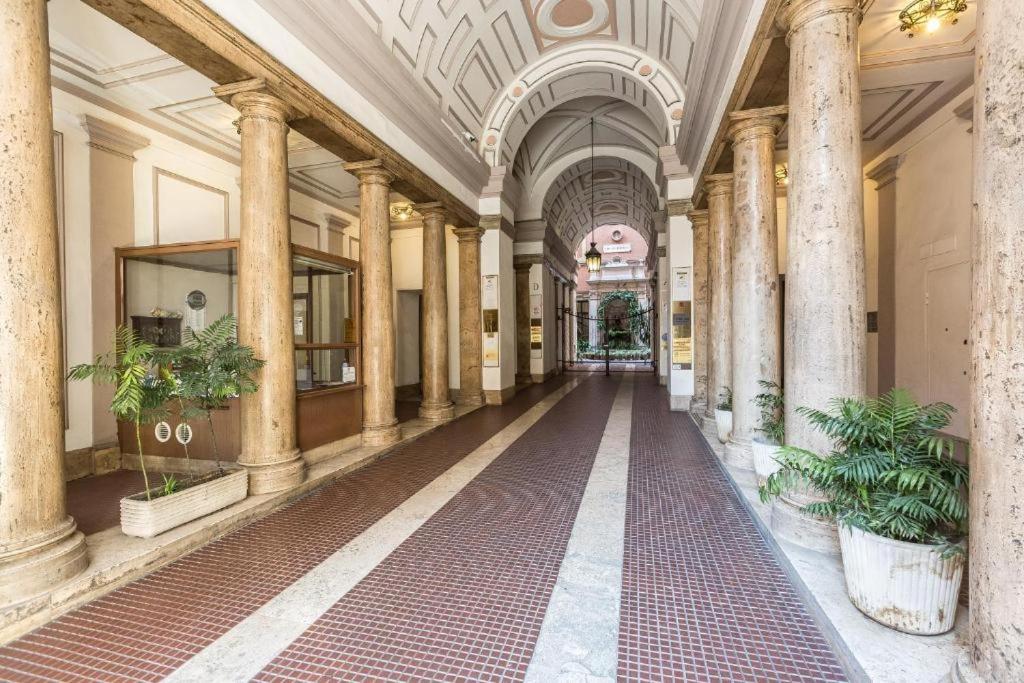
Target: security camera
470	138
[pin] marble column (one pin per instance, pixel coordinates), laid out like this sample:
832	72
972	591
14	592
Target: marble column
522	269
593	330
380	426
436	405
564	312
702	397
826	318
573	323
39	543
995	652
756	343
719	191
269	449
471	381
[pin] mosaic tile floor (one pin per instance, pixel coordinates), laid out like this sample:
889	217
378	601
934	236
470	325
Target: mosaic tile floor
481	513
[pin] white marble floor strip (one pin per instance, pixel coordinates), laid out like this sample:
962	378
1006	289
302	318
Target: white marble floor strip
579	638
246	649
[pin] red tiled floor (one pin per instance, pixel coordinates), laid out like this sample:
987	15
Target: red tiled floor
703	598
464	597
147	629
95	502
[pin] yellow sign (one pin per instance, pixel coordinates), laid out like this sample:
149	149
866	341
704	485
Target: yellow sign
682	335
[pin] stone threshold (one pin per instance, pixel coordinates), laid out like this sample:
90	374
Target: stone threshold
116	559
869	651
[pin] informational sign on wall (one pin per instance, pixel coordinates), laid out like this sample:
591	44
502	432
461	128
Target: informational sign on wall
489	303
682	284
682	335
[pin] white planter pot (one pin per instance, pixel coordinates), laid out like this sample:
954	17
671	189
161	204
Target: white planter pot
147	518
764	458
906	586
723	421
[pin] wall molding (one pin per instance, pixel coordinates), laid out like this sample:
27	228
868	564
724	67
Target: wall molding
164	173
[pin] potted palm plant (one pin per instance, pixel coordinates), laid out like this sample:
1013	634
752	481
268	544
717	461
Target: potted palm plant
899	498
200	375
772	428
723	414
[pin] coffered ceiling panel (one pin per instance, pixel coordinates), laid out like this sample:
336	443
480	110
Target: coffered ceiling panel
478	58
622	194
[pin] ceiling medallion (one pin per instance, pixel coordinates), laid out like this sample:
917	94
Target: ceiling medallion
572	18
646	70
930	15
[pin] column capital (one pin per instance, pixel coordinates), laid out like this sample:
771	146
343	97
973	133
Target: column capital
718	184
466	235
884	173
751	123
699	218
526	261
798	13
431	210
254	100
370	172
111	138
678	207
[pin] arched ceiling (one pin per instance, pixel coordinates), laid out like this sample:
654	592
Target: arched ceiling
623	194
562	138
495	68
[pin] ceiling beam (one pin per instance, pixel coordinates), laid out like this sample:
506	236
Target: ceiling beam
191	32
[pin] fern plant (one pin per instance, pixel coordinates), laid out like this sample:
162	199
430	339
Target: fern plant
771	403
725	399
140	393
211	367
889	473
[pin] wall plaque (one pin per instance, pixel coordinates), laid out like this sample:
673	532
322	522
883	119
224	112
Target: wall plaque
682	336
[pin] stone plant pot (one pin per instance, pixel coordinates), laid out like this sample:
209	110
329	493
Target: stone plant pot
723	421
764	458
147	518
906	586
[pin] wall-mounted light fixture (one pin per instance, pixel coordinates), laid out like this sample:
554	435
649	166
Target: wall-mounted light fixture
401	212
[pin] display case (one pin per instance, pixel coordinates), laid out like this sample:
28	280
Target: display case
163	289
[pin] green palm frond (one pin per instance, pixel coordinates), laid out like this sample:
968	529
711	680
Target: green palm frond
889	471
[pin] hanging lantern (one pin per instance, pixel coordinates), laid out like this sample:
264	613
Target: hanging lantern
593	258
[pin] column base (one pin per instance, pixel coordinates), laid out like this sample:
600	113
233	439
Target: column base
471	399
42	564
282	474
679	403
437	412
791	524
739	454
524	379
381	435
698	409
963	671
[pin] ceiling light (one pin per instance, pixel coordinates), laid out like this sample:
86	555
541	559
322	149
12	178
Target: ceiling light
782	175
402	212
930	15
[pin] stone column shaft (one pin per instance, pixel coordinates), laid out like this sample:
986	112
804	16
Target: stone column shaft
719	191
522	270
756	342
702	397
593	332
996	648
470	325
39	545
269	447
380	425
826	324
437	405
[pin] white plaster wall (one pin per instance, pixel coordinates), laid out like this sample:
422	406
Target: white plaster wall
680	255
77	281
407	278
496	259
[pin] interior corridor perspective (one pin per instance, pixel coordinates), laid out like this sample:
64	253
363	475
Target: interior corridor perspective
547	341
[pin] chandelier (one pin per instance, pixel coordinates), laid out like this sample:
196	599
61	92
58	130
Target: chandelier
930	15
593	255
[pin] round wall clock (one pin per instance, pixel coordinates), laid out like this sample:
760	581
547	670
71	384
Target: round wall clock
196	300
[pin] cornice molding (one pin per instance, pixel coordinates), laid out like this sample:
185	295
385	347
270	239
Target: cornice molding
885	172
112	138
